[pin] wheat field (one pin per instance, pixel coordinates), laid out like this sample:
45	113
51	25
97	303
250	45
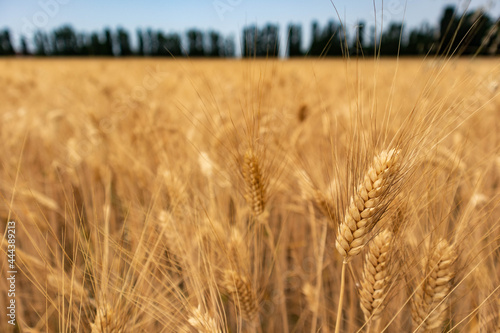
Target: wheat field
348	195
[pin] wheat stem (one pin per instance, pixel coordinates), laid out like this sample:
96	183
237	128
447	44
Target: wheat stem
341	298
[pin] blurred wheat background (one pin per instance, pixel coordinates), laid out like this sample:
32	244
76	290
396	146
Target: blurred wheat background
228	196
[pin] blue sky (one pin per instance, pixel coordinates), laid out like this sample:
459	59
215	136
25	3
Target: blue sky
226	16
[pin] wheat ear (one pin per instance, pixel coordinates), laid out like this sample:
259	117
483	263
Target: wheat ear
203	322
376	276
311	192
428	308
106	320
254	182
362	213
242	294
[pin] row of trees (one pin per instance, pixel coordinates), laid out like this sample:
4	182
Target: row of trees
473	33
65	41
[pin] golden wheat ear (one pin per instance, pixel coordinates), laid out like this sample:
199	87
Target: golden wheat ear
242	294
106	320
376	276
203	322
429	303
366	204
312	193
255	183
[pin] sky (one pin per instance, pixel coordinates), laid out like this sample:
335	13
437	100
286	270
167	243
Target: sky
225	16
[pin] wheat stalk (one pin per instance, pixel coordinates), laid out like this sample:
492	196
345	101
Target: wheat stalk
428	306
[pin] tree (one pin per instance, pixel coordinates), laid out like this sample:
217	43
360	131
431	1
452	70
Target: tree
493	47
24	47
108	43
294	40
447	27
124	42
268	42
477	37
150	43
140	38
195	40
40	43
215	44
332	39
162	40
421	40
173	45
261	42
6	43
229	47
357	46
391	39
84	44
249	41
95	48
65	41
316	48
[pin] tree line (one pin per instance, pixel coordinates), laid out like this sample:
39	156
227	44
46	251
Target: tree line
472	33
65	41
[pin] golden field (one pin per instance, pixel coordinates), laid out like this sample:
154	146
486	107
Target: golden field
229	196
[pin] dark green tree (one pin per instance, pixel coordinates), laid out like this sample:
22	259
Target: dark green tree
478	35
268	42
249	39
391	39
421	40
150	43
140	47
95	48
6	48
229	50
261	42
83	42
24	47
332	39
215	44
173	45
315	48
40	39
108	42
65	41
195	42
295	40
162	40
124	43
447	27
359	38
